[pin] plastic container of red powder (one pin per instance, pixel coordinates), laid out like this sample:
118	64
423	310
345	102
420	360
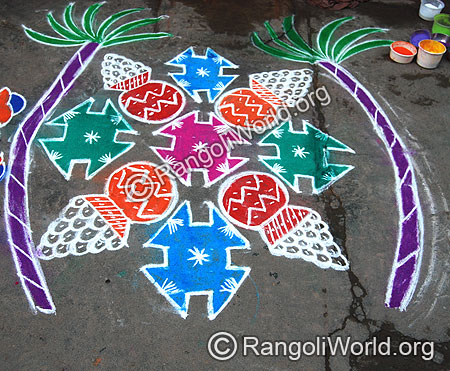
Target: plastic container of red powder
402	52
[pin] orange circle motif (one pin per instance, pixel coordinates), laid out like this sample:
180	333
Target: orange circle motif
242	107
143	192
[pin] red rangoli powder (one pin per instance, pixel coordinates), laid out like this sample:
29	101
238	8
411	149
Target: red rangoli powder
403	51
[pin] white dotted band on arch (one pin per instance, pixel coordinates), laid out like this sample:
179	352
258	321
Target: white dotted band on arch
288	85
117	69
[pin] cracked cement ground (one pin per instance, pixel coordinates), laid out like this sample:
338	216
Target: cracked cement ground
109	316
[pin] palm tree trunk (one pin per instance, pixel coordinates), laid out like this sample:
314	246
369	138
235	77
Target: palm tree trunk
16	200
408	256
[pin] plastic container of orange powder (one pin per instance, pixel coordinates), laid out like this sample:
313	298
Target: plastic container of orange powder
430	53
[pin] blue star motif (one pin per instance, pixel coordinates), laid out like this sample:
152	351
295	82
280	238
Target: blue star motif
202	73
198	256
197	261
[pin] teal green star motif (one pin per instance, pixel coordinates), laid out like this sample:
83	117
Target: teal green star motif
89	137
304	154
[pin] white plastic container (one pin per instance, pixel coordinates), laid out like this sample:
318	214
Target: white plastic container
430	53
430	8
402	52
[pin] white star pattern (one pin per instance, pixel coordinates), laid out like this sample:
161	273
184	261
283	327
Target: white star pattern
199	256
202	72
176	125
91	137
218	60
69	115
116	120
54	155
173	224
230	285
106	158
170	287
223	167
321	136
300	152
329	176
222	129
227	231
199	146
277	168
170	160
219	86
184	83
278	133
180	58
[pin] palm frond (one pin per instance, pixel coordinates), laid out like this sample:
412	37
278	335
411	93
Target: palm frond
49	40
326	34
296	39
137	37
89	16
326	49
346	41
72	35
280	53
68	20
61	30
107	23
358	48
131	26
286	46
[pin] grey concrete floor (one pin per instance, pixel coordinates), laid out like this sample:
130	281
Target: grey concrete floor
109	316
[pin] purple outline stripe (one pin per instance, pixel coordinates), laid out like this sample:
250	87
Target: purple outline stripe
16	200
409	242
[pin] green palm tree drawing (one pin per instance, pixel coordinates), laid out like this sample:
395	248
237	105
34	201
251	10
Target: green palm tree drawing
90	39
328	54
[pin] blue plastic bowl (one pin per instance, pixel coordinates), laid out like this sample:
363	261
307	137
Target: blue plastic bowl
418	36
